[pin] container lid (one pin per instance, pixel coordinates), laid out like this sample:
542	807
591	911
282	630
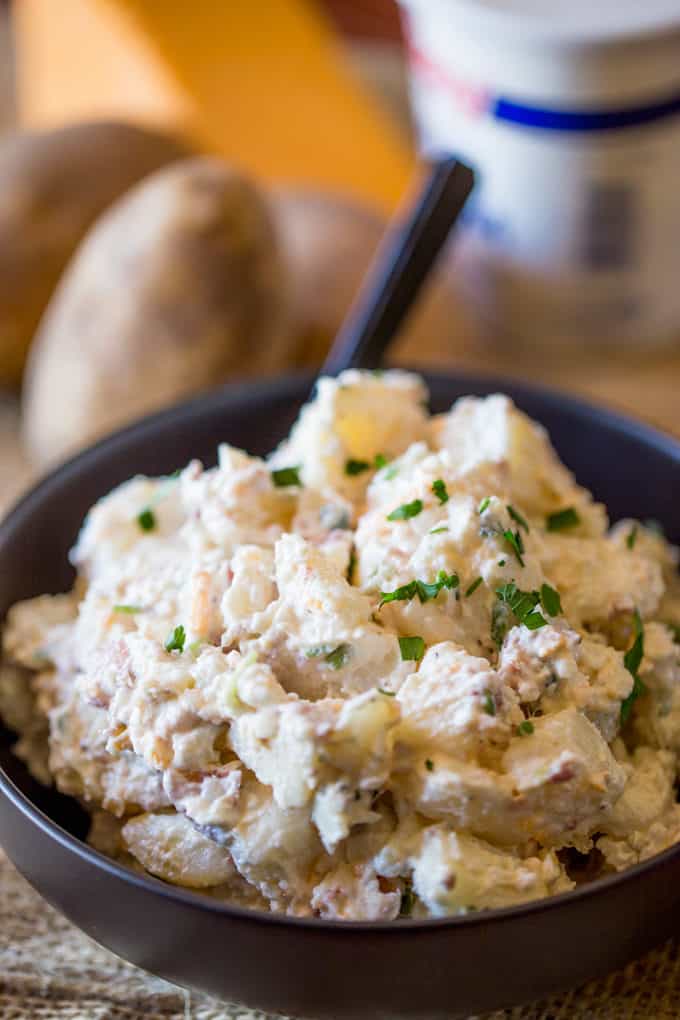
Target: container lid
568	21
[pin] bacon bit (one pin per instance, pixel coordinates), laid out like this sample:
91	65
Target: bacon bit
563	774
450	882
387	885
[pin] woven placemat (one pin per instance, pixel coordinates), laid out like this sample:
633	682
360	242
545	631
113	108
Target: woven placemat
51	971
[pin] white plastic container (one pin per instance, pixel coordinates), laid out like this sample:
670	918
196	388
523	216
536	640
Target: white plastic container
569	111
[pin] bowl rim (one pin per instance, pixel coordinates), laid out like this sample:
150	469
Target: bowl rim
243	392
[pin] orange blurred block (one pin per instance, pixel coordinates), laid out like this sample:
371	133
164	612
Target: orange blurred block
262	83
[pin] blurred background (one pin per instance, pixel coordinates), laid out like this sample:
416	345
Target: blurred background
191	193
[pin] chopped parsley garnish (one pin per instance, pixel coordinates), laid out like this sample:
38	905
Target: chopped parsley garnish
500	623
317	650
473	587
439	531
550	600
175	642
407	902
439	489
356	467
501	563
339	657
391	473
430	591
632	536
514	540
561	520
406	511
429	765
412	648
631	661
523	605
388	694
380	460
489	703
525	729
121	608
517	518
403	594
282	477
422	589
146	519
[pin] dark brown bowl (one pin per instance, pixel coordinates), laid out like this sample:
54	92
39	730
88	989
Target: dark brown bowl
313	968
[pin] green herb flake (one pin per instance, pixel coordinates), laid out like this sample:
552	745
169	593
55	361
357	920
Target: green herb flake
562	520
632	536
440	491
175	642
380	461
121	608
430	591
406	511
402	594
339	657
412	648
356	467
484	505
388	694
439	531
534	621
489	703
501	563
473	587
146	519
550	600
500	623
318	650
517	518
429	765
514	541
522	604
525	729
632	660
424	590
282	477
391	473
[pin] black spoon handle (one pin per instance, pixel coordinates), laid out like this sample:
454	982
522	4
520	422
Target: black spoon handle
401	265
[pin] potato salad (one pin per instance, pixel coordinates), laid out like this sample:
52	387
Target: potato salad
402	667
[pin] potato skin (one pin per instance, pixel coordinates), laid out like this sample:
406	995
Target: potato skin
180	283
53	185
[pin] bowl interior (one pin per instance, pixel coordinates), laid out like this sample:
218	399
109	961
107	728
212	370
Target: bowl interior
630	467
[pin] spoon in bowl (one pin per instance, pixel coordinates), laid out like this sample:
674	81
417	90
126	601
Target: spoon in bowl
401	265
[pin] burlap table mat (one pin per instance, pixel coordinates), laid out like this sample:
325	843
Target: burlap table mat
51	971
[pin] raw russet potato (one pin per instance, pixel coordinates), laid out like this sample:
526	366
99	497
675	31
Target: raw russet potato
329	243
180	283
53	185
